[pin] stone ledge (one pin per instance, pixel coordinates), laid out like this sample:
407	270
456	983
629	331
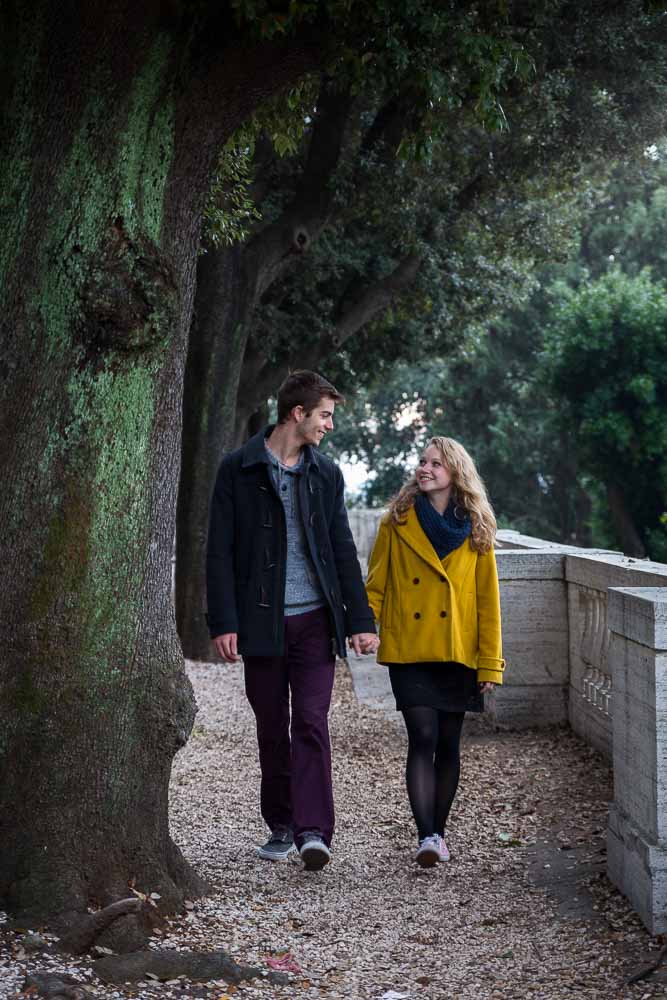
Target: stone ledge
530	564
509	539
639	614
600	571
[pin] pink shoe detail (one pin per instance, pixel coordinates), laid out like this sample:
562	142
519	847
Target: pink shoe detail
443	850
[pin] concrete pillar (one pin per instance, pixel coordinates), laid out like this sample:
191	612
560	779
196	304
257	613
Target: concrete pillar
637	830
533	600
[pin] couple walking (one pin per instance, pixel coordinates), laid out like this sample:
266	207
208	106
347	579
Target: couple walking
285	591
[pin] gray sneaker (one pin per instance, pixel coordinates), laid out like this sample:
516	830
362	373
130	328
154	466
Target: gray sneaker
314	852
279	846
429	851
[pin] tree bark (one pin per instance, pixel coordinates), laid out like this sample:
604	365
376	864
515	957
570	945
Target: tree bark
215	356
113	116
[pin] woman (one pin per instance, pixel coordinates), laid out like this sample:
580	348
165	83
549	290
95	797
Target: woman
433	587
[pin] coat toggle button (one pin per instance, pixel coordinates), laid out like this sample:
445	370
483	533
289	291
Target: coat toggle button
417	614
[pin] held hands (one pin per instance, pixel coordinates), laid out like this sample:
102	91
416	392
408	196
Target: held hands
486	686
364	642
226	647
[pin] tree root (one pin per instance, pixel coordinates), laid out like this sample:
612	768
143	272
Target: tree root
646	970
54	985
88	928
163	965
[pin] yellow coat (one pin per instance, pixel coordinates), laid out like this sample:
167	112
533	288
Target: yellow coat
433	610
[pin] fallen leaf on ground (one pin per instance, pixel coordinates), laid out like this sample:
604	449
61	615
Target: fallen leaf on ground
284	963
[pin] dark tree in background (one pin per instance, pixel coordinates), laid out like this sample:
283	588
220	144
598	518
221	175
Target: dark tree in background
606	366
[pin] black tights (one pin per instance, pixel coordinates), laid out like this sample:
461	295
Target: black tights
433	767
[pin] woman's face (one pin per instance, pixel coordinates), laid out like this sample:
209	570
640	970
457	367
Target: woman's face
432	473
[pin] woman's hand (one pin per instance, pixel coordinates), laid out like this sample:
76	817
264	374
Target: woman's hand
364	642
486	686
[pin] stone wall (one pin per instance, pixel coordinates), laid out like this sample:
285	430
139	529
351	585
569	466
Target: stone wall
364	524
637	829
533	599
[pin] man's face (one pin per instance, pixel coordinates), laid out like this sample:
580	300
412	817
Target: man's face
313	426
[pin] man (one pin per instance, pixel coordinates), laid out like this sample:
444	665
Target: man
284	590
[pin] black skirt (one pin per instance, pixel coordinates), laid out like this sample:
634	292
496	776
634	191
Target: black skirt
447	687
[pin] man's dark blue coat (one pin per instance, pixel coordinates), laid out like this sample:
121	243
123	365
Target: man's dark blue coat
247	542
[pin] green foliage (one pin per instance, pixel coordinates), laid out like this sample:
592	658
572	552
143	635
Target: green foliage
445	51
231	211
606	361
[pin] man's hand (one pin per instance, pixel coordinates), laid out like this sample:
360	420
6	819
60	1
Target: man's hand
486	686
226	647
364	642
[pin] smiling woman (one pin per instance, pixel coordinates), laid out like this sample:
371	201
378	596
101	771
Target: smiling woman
433	587
434	478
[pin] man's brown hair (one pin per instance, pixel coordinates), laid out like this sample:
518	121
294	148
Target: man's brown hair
303	388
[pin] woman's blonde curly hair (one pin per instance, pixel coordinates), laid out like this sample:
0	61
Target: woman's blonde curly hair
468	491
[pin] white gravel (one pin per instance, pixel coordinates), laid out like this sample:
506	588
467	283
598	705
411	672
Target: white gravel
493	923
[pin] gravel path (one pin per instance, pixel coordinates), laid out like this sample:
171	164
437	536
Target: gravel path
523	910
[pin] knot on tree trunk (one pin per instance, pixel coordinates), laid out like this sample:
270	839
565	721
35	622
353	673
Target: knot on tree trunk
130	300
300	240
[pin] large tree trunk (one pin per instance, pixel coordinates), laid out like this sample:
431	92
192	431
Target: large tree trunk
215	355
111	130
624	525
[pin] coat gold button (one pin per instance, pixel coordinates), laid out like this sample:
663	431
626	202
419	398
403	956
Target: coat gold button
443	614
417	615
416	580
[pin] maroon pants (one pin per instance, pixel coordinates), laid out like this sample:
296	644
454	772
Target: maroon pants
295	760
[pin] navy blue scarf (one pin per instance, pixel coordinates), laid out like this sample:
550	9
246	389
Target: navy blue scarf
445	532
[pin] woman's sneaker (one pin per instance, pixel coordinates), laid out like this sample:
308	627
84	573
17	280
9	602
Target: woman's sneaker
279	846
444	850
314	852
429	851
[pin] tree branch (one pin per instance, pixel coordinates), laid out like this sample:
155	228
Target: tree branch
398	115
374	299
272	249
260	376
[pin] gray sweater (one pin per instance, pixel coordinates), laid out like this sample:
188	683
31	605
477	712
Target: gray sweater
302	588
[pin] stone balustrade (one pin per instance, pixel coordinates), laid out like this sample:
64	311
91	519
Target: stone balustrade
585	640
